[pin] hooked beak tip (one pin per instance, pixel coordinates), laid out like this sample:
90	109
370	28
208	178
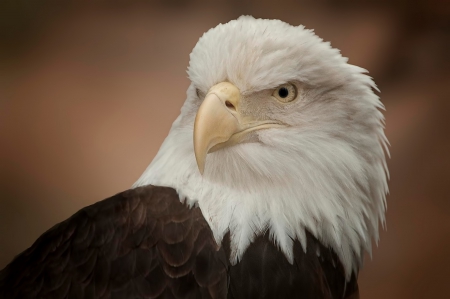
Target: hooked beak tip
201	167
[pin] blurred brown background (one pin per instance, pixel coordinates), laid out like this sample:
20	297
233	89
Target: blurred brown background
89	91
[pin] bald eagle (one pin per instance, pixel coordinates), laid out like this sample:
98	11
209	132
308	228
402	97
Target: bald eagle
270	184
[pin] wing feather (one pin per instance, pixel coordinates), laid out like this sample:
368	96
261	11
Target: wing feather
141	243
144	243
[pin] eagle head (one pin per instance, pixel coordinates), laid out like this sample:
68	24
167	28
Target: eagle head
278	134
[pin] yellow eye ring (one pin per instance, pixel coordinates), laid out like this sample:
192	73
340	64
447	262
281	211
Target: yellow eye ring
285	93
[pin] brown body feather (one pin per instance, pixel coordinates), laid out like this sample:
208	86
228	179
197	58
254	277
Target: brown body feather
144	243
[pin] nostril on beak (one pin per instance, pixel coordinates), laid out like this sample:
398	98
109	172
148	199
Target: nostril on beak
230	106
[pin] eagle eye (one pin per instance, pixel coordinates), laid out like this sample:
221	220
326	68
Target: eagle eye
285	93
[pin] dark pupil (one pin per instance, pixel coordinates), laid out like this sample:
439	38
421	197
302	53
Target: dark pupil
283	92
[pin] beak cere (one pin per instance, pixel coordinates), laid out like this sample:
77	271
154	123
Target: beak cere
216	120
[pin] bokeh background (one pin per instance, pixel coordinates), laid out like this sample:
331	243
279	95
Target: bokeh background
88	91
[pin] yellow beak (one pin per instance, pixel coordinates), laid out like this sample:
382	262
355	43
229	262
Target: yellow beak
215	122
219	123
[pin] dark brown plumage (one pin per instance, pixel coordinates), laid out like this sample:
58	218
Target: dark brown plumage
144	243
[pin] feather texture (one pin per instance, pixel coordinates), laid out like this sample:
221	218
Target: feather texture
144	243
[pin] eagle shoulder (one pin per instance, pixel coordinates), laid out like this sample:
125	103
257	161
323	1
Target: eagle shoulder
141	243
145	243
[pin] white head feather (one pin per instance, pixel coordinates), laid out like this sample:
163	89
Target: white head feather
325	173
